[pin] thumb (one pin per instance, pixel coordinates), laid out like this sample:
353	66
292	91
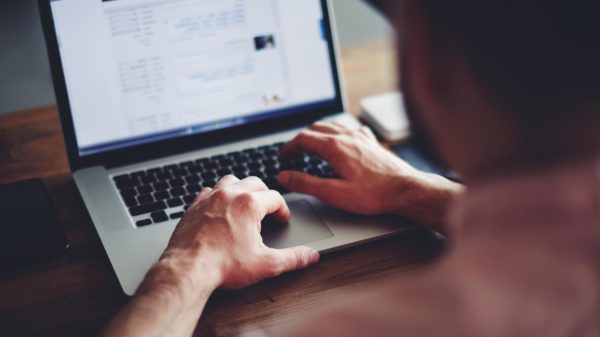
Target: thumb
294	258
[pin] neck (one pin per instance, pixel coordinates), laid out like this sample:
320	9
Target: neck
571	145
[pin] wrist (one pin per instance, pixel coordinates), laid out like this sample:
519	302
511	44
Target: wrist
422	197
183	273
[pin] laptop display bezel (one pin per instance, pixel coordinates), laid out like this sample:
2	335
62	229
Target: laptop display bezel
186	143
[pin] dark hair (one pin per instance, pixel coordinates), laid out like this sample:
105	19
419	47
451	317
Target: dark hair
542	56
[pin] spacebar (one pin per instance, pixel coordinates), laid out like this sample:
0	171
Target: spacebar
148	208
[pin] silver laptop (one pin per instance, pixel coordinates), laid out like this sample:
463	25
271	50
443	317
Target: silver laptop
160	98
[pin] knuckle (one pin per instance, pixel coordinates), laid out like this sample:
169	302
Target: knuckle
246	200
255	180
335	142
300	259
221	194
303	135
293	181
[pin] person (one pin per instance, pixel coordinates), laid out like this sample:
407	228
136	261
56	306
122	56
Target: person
504	92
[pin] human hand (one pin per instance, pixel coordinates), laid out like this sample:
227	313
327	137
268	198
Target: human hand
371	179
218	240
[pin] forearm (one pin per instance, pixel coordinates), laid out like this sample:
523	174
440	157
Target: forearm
425	198
166	303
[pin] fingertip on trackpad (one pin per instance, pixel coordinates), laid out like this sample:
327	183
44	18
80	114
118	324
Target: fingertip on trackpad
306	226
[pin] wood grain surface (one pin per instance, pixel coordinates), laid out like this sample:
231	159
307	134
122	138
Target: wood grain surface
77	293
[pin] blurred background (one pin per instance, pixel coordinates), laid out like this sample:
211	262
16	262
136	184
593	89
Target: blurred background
25	80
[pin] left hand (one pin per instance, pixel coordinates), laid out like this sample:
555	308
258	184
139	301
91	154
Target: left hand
218	241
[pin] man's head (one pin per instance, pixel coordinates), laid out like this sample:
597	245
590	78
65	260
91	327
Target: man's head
499	84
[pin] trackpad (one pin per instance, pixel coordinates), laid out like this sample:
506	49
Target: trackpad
305	227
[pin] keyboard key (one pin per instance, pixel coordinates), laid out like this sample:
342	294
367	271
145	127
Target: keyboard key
145	199
272	152
218	157
175	202
250	151
209	183
163	176
315	171
159	216
209	175
145	189
186	164
177	182
188	199
130	201
129	192
194	188
154	171
177	215
270	163
148	208
254	165
123	177
239	169
181	172
256	173
143	223
234	154
256	156
226	162
271	172
211	166
137	174
162	195
149	179
196	169
224	172
177	191
170	167
191	179
161	186
129	183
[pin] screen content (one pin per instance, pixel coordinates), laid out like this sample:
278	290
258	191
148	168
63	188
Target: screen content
138	71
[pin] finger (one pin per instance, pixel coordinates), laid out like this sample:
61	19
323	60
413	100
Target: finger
367	132
328	190
204	194
293	258
343	127
328	128
250	184
226	181
307	141
272	203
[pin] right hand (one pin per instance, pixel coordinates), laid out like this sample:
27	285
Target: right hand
371	179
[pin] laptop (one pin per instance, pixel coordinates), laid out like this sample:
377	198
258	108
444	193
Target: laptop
160	98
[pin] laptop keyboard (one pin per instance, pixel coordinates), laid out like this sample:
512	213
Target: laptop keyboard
164	193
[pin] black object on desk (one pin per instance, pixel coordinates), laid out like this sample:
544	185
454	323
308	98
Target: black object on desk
29	227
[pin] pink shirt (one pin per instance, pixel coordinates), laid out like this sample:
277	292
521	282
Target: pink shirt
524	261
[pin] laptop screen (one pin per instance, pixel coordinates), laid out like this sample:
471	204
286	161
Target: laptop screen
140	71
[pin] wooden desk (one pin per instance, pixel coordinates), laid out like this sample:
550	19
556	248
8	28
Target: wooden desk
77	293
